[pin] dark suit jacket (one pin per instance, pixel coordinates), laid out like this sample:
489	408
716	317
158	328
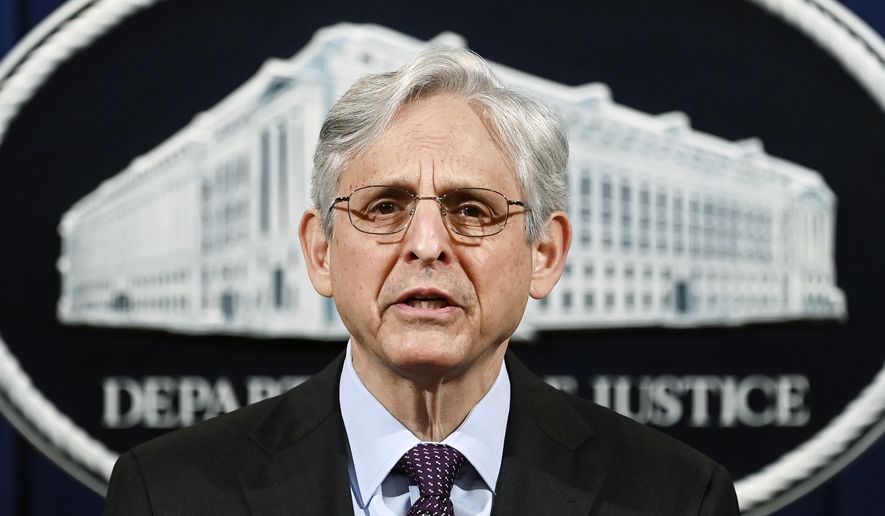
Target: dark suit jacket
288	456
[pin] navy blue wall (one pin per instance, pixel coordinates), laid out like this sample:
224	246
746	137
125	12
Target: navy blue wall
30	485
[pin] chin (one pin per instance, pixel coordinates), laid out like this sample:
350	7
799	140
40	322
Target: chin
427	356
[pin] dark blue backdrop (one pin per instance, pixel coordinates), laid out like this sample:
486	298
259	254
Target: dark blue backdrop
30	485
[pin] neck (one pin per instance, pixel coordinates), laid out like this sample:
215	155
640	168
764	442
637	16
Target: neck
430	403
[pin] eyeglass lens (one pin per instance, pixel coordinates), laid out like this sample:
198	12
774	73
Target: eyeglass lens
384	210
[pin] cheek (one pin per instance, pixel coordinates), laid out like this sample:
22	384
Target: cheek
358	273
348	278
501	279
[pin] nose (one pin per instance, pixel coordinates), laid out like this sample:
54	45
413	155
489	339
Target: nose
427	238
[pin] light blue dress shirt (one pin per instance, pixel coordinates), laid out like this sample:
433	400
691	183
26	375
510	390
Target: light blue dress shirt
377	442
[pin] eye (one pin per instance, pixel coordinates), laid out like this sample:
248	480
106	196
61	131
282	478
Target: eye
471	206
386	206
472	211
380	209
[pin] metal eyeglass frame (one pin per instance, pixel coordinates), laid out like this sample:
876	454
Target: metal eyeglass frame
442	210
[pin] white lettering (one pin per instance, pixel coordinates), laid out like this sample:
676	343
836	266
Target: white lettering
602	391
113	415
171	402
766	387
194	393
706	400
728	411
159	392
791	393
623	390
666	400
223	399
665	392
700	388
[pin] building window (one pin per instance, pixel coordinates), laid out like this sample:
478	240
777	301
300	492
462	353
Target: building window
694	227
723	229
264	187
709	234
567	300
661	219
279	287
607	208
683	297
734	231
609	301
589	300
644	218
283	169
585	234
585	182
626	217
678	224
585	206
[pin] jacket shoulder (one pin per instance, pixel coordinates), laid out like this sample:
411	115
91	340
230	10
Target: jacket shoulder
208	437
644	469
173	473
202	464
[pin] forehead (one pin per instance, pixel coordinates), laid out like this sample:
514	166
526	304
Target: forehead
442	141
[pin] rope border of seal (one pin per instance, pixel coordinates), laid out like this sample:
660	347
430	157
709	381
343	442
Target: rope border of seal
861	51
78	23
72	27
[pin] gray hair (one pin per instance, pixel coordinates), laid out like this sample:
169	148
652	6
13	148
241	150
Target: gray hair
531	133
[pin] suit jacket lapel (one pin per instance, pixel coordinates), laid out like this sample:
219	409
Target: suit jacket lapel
548	465
300	462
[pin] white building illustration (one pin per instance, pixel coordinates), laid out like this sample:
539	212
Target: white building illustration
672	227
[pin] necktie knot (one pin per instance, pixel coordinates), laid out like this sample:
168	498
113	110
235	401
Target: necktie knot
433	467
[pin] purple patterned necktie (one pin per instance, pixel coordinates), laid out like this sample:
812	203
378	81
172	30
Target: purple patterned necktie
434	468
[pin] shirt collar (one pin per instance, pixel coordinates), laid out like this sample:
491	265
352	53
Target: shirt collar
377	440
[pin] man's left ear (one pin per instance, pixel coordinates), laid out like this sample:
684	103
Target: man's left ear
549	254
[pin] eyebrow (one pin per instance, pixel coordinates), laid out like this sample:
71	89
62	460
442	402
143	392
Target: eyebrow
409	183
399	182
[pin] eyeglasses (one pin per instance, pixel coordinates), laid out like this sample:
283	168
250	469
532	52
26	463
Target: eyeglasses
385	210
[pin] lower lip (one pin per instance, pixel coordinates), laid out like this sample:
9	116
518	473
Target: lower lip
415	311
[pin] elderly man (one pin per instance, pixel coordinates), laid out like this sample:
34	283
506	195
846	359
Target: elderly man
439	197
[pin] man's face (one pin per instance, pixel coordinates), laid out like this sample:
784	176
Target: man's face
426	299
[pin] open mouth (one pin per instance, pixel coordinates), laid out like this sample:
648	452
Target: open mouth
426	302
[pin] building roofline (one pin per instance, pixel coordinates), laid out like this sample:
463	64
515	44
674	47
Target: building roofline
202	125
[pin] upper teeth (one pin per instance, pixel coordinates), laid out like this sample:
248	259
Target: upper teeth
426	302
